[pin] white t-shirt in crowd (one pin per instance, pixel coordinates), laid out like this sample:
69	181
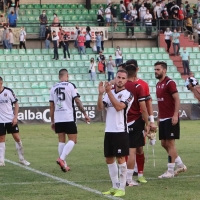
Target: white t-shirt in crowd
130	6
88	36
142	11
62	95
7	99
108	2
167	35
158	10
22	36
117	56
108	11
148	16
11	39
93	67
134	13
122	8
116	121
198	26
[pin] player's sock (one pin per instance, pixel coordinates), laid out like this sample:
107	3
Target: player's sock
67	149
169	159
20	151
113	172
122	176
135	167
60	148
2	151
129	176
140	164
170	167
179	162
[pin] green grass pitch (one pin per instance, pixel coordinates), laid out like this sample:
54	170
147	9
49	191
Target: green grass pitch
88	167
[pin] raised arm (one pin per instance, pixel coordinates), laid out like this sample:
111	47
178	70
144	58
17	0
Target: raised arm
100	105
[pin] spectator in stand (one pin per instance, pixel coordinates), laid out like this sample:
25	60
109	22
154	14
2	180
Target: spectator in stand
102	41
76	36
55	41
165	17
174	7
81	46
118	57
134	14
162	4
187	8
198	8
147	4
11	39
65	44
56	21
101	62
168	35
129	24
182	7
43	22
59	35
169	6
189	27
110	68
100	15
157	13
181	17
185	61
5	37
175	19
108	15
47	38
148	23
175	41
92	70
153	4
130	5
198	31
88	37
11	6
142	12
17	6
22	38
195	15
12	19
122	10
3	20
114	16
98	42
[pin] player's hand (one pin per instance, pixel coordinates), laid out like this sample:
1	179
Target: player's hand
14	121
108	87
53	126
87	119
190	86
153	127
146	130
174	120
101	88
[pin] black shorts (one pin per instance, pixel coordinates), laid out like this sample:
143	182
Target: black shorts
8	128
66	127
136	136
167	131
116	144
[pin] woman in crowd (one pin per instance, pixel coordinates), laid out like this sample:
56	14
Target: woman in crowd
102	41
11	39
189	26
168	35
56	21
88	37
92	70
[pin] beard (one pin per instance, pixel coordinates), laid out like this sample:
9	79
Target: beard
158	76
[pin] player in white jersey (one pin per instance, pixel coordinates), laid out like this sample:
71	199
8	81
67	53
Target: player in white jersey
63	117
8	122
117	102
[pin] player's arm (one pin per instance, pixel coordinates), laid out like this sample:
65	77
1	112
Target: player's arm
16	111
52	109
100	104
144	112
195	92
177	106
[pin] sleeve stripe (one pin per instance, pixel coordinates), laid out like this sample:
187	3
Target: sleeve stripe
169	82
141	99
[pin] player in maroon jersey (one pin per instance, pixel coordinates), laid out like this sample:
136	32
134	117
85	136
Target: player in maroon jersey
137	122
168	118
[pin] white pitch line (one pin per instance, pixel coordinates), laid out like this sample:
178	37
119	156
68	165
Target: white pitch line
62	180
30	183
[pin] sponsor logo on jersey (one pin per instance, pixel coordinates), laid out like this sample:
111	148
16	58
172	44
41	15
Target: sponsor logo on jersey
119	151
162	86
172	134
160	99
120	96
3	101
5	94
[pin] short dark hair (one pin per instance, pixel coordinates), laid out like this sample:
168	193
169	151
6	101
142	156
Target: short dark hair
162	63
1	79
121	2
62	72
131	70
132	62
122	71
123	65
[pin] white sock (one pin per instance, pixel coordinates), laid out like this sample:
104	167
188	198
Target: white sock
179	162
129	176
170	167
2	151
122	175
113	172
67	149
60	148
20	151
135	168
139	175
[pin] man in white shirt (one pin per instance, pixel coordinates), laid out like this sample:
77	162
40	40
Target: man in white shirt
157	11
118	57
122	9
116	144
130	5
8	123
63	95
148	23
22	38
108	16
100	14
142	12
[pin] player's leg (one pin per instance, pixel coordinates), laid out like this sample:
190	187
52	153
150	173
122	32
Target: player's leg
61	142
2	145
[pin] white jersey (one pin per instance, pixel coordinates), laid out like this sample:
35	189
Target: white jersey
116	121
62	95
7	99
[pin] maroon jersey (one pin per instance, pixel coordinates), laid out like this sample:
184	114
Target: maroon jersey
166	103
145	87
139	95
